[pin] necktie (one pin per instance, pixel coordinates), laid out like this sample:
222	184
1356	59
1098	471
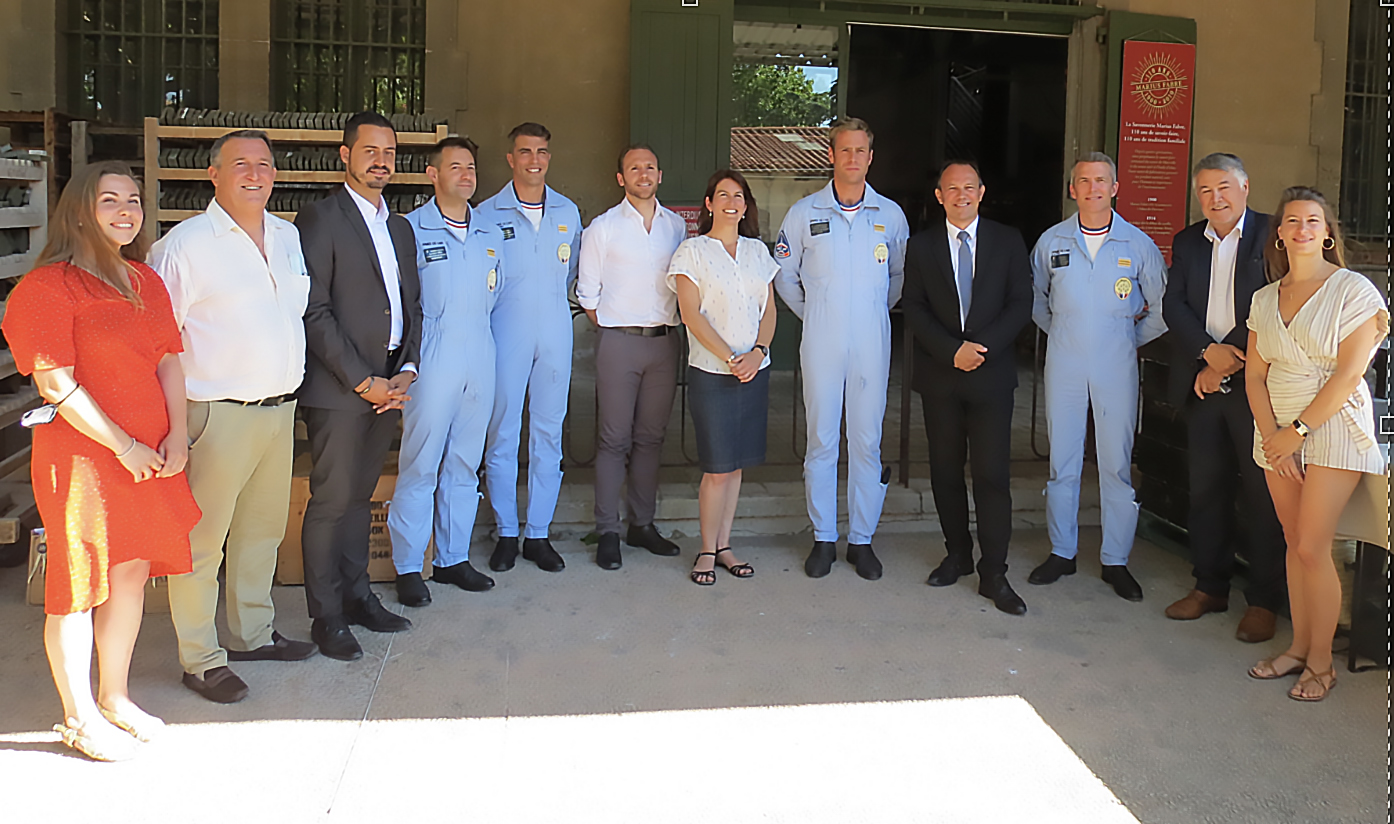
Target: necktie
965	274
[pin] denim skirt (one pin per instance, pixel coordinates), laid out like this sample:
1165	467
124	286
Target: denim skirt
729	418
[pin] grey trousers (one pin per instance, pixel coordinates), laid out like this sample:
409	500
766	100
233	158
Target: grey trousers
635	379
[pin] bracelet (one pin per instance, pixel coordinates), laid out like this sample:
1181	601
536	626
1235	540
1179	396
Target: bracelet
71	392
128	450
365	390
732	359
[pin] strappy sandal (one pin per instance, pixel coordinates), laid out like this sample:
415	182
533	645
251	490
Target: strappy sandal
144	728
1325	680
1265	671
738	570
703	577
78	738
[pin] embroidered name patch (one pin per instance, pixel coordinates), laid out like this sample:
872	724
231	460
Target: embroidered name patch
1059	260
817	227
434	252
508	231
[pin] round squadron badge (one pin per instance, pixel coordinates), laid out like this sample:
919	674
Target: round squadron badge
882	252
564	253
493	279
1123	287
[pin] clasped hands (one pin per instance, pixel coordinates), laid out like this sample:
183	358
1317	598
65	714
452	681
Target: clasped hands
1280	449
1221	361
746	366
970	356
387	393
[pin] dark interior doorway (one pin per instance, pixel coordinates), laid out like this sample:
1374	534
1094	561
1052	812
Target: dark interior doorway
998	99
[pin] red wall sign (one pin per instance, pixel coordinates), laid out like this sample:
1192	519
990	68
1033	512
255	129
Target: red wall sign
690	215
1154	137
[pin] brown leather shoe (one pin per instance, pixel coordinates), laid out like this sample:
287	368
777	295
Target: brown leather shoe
1194	605
1258	624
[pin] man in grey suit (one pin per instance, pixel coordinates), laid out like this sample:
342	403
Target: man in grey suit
363	337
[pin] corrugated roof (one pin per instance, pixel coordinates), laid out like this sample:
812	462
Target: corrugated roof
791	150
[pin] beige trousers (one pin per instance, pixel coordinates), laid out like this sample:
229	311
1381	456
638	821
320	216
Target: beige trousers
239	471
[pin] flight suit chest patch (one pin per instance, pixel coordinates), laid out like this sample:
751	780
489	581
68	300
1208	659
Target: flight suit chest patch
508	231
1059	260
434	252
818	227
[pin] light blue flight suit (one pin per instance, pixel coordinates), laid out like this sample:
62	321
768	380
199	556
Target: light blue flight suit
533	333
444	423
1090	309
841	278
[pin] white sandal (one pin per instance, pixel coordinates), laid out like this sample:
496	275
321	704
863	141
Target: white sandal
77	737
145	727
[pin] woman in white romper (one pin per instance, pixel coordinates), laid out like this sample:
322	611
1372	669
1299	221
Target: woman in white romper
1313	332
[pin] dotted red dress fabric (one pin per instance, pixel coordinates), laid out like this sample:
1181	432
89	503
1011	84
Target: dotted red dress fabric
95	515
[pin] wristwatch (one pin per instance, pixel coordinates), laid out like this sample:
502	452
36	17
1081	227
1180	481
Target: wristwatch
1301	428
764	350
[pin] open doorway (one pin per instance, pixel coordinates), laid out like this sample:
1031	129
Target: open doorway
932	94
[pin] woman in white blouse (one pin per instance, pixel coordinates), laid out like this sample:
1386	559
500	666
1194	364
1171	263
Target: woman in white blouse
723	279
1313	330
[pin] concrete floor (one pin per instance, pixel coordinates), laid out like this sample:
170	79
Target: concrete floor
635	696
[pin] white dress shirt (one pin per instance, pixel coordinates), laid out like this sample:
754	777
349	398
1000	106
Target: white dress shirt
1224	253
239	314
376	218
733	292
623	270
954	242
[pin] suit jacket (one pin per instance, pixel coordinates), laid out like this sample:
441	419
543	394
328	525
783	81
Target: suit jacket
1000	309
1188	297
348	320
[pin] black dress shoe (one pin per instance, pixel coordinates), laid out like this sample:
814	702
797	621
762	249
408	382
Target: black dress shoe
372	615
335	639
647	537
820	559
540	552
950	570
281	648
1122	582
864	559
996	588
1051	570
412	591
219	685
463	576
607	554
505	554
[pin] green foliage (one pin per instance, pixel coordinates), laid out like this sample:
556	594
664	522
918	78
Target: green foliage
769	95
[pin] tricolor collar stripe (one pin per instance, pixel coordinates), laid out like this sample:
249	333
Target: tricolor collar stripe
1096	232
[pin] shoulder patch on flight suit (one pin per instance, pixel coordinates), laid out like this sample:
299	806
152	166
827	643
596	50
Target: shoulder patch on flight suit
1124	263
1059	260
434	252
818	227
508	231
781	246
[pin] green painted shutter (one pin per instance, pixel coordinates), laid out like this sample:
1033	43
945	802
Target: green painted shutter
680	90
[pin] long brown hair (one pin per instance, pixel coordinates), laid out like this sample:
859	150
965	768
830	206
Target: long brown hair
73	233
750	221
1276	260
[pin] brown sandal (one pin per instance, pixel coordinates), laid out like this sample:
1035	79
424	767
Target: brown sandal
1325	680
1265	671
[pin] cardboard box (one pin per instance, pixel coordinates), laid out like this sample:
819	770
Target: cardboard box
156	589
290	562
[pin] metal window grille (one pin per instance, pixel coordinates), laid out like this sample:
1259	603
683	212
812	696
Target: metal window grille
349	55
131	58
1364	163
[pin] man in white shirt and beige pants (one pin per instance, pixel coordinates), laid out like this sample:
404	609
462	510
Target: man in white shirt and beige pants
623	286
237	281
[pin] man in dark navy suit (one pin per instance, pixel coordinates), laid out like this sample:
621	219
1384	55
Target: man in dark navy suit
967	297
1217	265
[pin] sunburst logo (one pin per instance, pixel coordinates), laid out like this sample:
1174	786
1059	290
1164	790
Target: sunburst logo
1159	84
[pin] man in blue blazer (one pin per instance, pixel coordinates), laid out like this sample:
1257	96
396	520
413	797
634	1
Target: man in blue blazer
1217	265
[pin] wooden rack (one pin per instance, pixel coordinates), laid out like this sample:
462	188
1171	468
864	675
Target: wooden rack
32	216
51	131
154	173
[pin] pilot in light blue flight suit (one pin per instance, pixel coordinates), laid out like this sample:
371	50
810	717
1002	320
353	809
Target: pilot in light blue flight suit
1098	283
841	253
460	258
533	333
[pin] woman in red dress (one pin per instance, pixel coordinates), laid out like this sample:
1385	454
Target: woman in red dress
94	327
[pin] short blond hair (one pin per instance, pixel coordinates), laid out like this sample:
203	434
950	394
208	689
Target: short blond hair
850	124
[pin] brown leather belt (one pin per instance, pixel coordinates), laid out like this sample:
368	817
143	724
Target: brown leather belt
276	401
642	331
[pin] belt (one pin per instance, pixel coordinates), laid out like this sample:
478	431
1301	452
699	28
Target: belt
642	331
276	401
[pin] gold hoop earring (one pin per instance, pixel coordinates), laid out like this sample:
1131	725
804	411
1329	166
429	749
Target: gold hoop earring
1278	244
1329	243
